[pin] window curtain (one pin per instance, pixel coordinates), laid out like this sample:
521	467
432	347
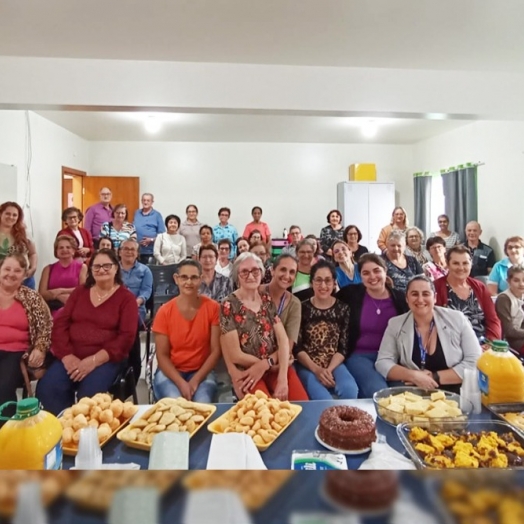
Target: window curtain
460	197
422	186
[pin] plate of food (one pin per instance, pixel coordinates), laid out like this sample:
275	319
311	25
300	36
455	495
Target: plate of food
263	419
168	414
427	408
511	412
102	412
479	444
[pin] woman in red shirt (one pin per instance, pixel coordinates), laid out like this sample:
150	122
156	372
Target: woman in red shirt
92	336
72	216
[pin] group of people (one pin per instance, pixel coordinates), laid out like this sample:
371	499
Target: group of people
325	317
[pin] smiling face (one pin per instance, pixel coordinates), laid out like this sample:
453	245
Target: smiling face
323	283
443	224
242	246
223	252
172	226
105	195
208	260
516	284
296	235
459	265
72	220
373	277
395	247
334	218
9	217
284	274
437	252
352	236
255	237
341	252
399	218
515	252
64	250
249	274
12	274
473	232
256	214
128	252
305	255
192	213
420	298
188	279
223	217
414	240
119	215
104	270
105	243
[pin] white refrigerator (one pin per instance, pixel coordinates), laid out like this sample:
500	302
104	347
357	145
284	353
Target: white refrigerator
367	205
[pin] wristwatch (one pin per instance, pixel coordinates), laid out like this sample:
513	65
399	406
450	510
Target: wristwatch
436	377
270	362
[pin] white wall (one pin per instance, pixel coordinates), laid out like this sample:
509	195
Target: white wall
52	148
500	145
293	183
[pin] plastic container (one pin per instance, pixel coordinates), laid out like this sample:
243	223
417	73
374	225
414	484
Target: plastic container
501	375
32	439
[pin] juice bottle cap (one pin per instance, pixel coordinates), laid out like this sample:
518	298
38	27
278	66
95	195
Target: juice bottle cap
499	345
27	407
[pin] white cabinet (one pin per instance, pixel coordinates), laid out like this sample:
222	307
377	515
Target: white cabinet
368	205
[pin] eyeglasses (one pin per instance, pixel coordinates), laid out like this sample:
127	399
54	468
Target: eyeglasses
302	252
105	194
186	278
513	246
244	274
207	257
129	249
352	234
72	217
98	267
413	236
319	281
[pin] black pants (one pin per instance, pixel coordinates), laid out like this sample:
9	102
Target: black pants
134	359
11	378
145	259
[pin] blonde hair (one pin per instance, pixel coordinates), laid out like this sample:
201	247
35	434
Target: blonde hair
406	221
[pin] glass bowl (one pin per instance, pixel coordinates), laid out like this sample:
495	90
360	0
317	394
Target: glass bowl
423	412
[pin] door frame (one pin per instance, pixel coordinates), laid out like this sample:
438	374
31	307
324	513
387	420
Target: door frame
73	173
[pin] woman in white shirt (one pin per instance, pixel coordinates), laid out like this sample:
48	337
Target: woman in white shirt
170	247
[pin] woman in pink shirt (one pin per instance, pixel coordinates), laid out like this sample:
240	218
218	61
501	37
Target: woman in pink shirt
265	233
25	326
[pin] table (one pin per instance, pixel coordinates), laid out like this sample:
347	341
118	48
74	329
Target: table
299	435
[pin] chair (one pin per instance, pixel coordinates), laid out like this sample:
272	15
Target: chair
482	278
124	385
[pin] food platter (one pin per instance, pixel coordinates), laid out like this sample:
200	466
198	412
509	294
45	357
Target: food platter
338	450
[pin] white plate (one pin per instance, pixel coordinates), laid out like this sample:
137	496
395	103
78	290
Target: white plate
344	451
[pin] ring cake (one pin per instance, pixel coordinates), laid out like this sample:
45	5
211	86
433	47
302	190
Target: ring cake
346	428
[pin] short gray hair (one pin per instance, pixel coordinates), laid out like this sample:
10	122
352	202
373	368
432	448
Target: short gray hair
417	230
242	258
396	235
148	194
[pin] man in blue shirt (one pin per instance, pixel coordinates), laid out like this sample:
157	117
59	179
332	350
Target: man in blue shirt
148	224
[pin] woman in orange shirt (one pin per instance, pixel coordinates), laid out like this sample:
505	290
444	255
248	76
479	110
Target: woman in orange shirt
187	338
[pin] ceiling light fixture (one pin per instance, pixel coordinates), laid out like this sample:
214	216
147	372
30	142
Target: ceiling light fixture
369	129
152	124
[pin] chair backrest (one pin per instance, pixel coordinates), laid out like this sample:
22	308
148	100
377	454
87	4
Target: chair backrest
482	278
163	281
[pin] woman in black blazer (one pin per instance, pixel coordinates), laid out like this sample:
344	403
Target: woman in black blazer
371	305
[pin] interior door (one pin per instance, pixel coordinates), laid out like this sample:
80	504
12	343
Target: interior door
125	190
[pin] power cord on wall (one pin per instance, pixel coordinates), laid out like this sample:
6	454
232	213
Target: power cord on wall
29	158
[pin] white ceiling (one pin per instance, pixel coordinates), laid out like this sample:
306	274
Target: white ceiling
465	35
116	126
483	35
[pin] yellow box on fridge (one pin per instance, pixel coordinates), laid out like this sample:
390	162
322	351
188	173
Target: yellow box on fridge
363	173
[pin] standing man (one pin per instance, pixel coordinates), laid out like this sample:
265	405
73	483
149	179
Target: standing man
98	214
296	236
148	224
482	256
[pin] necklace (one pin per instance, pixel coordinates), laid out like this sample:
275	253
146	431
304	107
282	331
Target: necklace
101	297
378	311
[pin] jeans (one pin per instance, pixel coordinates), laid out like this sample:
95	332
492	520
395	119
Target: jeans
165	387
56	391
345	385
29	282
369	380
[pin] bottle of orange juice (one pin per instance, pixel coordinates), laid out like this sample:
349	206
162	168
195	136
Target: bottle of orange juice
501	375
31	439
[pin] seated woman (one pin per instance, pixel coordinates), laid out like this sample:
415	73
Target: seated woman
213	284
92	337
187	338
372	304
438	267
333	231
283	274
430	346
498	278
399	223
206	239
401	268
253	334
25	326
451	238
415	245
137	277
106	243
72	216
352	237
302	285
119	229
323	339
260	250
224	264
509	309
241	245
170	247
60	279
459	291
347	270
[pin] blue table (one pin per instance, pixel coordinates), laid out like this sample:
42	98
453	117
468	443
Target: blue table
299	435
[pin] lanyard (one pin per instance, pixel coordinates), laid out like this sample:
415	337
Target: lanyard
282	301
422	348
